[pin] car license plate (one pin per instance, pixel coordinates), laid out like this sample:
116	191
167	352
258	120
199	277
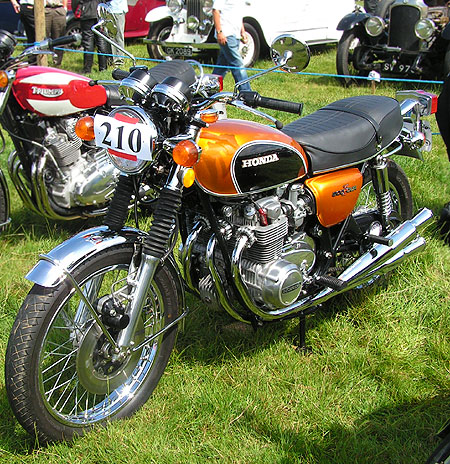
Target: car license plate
179	51
125	135
398	68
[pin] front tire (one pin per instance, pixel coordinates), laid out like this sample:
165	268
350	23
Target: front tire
60	376
345	56
4	207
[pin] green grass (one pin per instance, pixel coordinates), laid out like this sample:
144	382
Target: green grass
374	388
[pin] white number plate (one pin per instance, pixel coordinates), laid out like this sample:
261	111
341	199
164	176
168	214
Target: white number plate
124	136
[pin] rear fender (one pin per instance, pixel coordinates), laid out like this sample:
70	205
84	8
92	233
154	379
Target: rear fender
157	14
351	20
53	267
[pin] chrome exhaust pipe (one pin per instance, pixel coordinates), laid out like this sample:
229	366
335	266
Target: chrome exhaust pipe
379	260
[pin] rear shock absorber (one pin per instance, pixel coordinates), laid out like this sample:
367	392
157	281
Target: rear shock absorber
118	209
380	180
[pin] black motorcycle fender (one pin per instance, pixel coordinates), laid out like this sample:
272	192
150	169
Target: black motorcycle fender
53	267
351	20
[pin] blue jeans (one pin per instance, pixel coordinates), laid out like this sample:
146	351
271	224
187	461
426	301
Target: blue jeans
229	56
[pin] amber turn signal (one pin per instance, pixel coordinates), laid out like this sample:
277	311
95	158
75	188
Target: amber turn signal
209	116
188	178
3	80
185	153
84	128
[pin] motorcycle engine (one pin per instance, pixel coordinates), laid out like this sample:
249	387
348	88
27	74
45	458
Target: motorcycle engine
281	256
76	174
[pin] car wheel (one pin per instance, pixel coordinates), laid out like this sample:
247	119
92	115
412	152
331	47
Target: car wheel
158	31
345	57
250	50
73	28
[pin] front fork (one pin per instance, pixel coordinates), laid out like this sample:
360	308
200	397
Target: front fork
380	181
154	250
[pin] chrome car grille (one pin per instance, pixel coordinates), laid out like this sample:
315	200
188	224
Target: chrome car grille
401	27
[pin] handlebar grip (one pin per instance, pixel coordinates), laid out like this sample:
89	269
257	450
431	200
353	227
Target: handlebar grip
67	39
255	99
119	74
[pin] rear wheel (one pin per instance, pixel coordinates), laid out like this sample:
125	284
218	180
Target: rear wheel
61	376
399	187
345	57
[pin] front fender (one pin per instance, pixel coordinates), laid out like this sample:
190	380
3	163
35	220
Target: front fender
157	14
52	268
351	20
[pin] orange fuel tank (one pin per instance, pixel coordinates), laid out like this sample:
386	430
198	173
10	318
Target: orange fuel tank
336	194
239	157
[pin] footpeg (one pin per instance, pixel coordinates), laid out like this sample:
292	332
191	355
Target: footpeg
332	282
378	239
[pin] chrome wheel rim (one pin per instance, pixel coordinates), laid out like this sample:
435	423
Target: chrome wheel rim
247	50
75	392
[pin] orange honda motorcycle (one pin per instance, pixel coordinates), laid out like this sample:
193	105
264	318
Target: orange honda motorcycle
271	222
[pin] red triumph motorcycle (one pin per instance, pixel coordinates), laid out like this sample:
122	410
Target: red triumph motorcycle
271	221
55	173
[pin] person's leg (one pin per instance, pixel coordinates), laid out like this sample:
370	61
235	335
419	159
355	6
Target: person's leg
27	17
58	30
101	49
221	65
235	61
443	114
87	42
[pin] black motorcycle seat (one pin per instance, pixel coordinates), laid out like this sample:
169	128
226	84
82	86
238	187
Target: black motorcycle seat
347	131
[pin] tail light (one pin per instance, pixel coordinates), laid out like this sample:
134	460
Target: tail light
427	100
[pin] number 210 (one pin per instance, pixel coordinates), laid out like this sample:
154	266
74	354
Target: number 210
134	138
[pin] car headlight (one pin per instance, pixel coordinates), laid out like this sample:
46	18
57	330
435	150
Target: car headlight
424	29
375	26
175	6
192	23
208	7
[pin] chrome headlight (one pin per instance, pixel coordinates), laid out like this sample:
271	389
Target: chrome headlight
424	29
208	7
375	26
192	23
175	6
129	136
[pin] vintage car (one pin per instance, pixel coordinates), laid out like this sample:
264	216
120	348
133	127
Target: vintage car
185	27
408	38
135	25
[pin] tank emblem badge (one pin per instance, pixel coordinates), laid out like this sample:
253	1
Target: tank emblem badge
48	93
247	163
345	189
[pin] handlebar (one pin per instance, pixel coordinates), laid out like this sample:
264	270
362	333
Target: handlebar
67	39
119	74
254	99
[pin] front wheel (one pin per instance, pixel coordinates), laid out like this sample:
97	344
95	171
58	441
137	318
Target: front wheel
345	57
61	376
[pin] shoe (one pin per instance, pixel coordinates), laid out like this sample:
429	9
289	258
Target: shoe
86	71
102	69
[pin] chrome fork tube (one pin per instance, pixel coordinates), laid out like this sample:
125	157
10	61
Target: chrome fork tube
380	180
138	297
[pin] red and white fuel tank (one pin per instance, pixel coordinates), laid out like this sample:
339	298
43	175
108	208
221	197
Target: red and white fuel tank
55	92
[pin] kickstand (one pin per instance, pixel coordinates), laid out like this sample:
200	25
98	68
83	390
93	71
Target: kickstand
302	348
